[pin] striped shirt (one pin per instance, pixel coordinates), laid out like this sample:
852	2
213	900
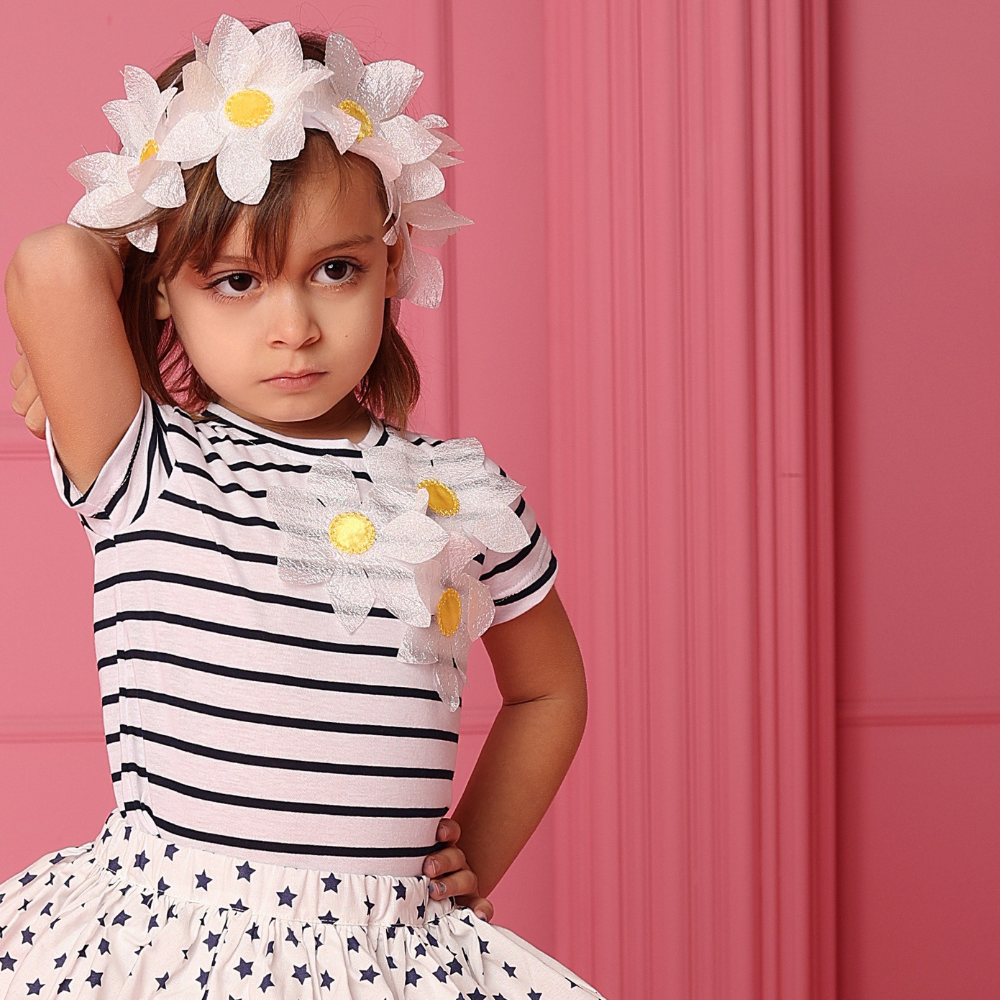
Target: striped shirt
240	715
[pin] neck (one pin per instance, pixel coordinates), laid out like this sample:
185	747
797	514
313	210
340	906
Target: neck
346	419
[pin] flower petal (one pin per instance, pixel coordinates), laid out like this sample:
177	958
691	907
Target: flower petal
334	483
458	459
240	166
428	284
419	181
433	213
449	681
500	530
144	239
297	511
281	54
396	590
194	136
412	537
97	169
417	645
481	608
233	53
342	57
412	142
166	189
351	593
305	560
386	87
428	577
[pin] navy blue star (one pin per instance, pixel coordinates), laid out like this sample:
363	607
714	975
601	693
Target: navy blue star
239	905
327	979
47	909
52	923
95	978
52	878
328	917
203	879
6	962
147	900
162	980
35	987
499	996
286	896
245	871
105	835
400	890
64	986
391	961
441	974
27	877
421	910
70	879
266	983
202	977
170	850
253	933
114	866
432	939
59	961
300	973
121	917
82	953
141	860
331	883
510	970
476	995
532	995
24	904
455	966
369	904
104	947
27	936
412	976
572	985
162	886
483	946
290	936
212	940
368	975
153	922
56	859
128	832
244	968
270	947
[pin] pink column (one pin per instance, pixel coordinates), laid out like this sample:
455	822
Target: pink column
691	430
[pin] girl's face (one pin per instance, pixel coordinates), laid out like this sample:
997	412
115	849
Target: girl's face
289	350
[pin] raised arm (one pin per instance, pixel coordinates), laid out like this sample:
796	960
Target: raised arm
62	288
532	741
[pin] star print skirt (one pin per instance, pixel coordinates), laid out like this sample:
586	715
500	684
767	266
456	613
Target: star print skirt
131	916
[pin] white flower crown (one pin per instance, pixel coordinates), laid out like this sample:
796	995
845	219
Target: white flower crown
247	100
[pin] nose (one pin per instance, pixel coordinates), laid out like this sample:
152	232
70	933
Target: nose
292	324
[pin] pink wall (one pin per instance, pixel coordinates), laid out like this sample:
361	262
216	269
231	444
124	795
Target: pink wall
916	101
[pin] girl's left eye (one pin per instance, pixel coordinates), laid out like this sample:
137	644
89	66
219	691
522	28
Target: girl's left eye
337	272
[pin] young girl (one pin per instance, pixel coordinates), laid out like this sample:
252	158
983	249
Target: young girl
288	580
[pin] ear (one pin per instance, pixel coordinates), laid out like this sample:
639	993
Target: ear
161	304
394	260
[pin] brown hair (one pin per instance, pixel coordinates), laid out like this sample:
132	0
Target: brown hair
195	232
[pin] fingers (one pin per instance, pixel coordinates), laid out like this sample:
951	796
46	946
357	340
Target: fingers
481	907
449	860
448	831
25	393
18	372
459	883
34	419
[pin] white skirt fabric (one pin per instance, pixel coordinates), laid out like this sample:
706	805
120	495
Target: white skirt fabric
131	916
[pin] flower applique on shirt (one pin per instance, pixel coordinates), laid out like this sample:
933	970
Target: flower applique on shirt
462	610
465	496
363	550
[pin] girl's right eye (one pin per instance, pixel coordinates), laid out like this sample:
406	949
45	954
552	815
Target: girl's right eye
233	286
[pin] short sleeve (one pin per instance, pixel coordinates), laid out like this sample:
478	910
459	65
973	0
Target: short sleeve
135	471
519	580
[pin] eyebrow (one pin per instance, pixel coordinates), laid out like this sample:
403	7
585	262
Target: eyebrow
351	241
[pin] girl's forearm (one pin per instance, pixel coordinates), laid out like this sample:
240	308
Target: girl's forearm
524	760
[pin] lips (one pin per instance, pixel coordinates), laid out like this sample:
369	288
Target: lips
304	379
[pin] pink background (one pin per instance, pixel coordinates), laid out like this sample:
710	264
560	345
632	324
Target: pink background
729	308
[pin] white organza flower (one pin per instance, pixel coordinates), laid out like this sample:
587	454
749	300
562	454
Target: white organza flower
242	102
464	495
124	187
462	609
363	550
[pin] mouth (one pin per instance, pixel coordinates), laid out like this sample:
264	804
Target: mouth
295	380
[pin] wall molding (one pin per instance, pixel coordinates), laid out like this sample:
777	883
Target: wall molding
983	711
689	315
50	729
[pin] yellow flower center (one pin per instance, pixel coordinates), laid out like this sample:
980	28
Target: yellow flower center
356	111
443	499
151	148
352	532
449	612
249	108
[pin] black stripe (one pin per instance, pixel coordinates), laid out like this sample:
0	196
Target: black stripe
516	558
301	448
189	540
173	429
277	846
282	721
151	452
223	515
243	633
195	470
264	677
531	588
317	766
278	805
519	509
